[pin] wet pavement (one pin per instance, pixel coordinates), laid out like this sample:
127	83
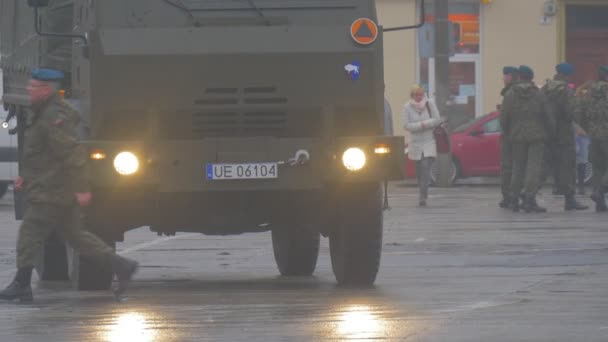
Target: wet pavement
460	270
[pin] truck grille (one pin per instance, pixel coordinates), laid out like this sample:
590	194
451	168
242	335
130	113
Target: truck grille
253	111
239	123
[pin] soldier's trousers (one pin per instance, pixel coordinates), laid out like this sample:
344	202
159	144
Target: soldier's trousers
527	168
563	166
41	219
506	167
598	156
549	167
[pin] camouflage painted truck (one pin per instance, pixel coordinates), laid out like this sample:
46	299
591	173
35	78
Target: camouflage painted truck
219	117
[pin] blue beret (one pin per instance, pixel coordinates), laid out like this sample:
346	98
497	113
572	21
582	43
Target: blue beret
565	69
525	70
509	70
49	75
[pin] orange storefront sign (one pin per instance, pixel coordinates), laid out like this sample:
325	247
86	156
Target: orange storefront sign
364	31
467	26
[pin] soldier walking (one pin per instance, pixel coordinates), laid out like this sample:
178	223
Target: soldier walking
593	118
510	77
528	125
55	184
562	146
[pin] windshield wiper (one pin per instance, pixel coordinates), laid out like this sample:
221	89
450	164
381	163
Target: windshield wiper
181	7
259	11
256	8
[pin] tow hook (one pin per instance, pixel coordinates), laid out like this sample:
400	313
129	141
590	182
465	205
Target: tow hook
301	157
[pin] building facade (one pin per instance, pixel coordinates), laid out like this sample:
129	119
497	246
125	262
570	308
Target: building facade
487	35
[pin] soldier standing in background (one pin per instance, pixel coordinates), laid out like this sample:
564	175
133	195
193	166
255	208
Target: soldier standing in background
593	118
583	141
528	125
562	146
56	186
510	77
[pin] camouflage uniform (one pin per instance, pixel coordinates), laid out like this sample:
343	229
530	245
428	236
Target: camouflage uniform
561	148
527	125
53	169
506	155
593	118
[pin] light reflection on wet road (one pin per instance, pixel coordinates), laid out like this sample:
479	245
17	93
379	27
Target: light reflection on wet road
131	327
258	310
449	273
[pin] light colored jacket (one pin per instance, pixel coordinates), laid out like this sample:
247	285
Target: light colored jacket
421	125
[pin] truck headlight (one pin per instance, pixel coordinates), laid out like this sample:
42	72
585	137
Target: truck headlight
354	159
126	163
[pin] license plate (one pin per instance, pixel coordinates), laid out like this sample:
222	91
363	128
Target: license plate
242	171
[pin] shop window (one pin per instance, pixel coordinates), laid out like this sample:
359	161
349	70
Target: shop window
464	18
464	92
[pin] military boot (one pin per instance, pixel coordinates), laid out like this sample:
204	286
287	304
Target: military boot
530	205
515	204
19	289
506	202
600	201
15	291
572	204
124	269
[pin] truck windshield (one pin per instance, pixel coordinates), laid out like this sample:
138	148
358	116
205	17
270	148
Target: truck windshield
178	13
191	6
179	5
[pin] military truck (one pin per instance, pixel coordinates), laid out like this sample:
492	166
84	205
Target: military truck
219	117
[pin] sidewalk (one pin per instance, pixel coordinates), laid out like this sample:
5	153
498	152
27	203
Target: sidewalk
482	181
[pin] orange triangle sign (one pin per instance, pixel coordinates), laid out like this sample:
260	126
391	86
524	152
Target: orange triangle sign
364	31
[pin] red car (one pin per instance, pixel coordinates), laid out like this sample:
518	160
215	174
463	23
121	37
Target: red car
475	150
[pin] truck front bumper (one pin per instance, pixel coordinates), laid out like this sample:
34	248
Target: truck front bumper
182	166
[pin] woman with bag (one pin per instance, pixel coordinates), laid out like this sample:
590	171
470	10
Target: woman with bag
420	118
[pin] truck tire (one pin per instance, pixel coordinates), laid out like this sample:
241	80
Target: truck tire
296	250
355	242
52	265
86	274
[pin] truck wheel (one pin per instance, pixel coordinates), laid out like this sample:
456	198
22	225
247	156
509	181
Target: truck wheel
52	265
296	250
86	274
356	241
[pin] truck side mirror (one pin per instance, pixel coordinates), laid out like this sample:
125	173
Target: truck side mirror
38	3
